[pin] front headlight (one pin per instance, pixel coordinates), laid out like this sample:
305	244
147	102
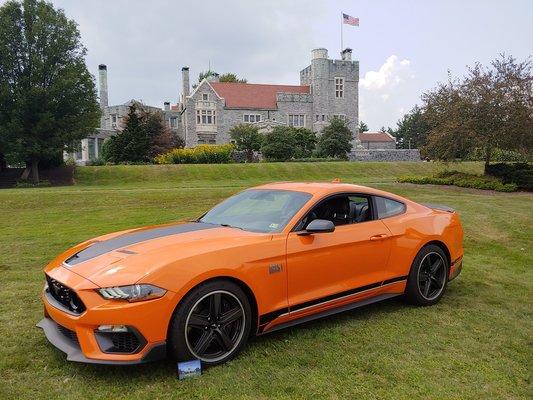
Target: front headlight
132	292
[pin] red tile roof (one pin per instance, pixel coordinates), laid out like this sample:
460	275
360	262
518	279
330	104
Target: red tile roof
253	96
375	137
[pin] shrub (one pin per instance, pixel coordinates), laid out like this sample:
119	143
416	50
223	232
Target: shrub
520	174
461	179
25	183
201	154
247	139
279	145
335	140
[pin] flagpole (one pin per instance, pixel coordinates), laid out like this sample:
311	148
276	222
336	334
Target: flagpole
342	45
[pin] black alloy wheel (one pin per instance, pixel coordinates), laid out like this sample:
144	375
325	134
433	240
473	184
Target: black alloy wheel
211	324
215	326
428	277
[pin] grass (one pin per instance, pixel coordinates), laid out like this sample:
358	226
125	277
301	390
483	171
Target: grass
476	343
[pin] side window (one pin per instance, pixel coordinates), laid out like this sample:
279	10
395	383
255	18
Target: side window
341	210
388	207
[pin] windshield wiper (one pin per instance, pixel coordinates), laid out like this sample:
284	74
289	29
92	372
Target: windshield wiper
231	226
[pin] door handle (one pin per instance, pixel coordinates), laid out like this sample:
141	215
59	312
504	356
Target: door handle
378	237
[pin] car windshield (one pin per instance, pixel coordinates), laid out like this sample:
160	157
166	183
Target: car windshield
257	210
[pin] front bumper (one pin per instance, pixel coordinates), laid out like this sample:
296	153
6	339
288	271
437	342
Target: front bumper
76	334
68	344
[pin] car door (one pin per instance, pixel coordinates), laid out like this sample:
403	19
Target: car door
323	265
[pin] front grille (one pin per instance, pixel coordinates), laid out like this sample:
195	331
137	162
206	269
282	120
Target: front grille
119	342
124	342
68	333
65	295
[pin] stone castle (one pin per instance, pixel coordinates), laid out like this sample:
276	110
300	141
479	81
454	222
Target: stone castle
328	88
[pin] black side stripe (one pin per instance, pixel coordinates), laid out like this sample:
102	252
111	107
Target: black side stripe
99	248
269	317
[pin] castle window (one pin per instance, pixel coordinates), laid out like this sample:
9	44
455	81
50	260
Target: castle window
205	96
339	87
251	118
173	122
317	117
205	117
342	117
296	120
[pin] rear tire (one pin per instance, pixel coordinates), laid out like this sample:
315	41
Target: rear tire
428	277
212	323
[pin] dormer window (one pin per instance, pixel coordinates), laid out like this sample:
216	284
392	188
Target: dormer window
205	96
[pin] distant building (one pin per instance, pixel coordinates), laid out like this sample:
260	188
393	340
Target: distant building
112	122
327	88
377	140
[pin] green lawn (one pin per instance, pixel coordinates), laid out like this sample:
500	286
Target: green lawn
475	344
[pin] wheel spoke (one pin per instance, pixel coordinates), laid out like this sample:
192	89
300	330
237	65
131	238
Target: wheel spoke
214	304
230	316
204	342
427	287
224	339
435	266
198	321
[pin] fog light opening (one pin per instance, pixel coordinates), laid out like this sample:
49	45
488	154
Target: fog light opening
113	328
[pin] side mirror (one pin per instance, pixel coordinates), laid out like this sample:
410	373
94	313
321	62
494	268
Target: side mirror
318	226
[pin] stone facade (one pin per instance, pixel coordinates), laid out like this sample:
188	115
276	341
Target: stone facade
330	88
384	155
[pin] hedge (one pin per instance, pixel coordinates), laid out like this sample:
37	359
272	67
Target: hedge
462	179
201	154
521	174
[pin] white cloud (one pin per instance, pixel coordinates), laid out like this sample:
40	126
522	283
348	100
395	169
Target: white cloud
382	92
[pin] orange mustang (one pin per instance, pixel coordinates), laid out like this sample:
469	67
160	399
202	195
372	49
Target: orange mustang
264	259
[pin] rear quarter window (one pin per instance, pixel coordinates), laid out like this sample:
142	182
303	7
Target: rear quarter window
388	207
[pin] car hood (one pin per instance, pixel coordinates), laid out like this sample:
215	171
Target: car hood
126	257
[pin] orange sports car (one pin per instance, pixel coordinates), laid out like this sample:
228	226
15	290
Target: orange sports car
267	258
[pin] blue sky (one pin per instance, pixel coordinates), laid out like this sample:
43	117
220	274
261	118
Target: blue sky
404	47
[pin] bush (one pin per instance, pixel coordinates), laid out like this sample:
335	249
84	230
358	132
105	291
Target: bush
335	140
247	139
520	174
201	154
279	145
461	179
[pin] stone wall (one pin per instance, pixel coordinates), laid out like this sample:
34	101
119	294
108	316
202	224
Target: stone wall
385	155
379	145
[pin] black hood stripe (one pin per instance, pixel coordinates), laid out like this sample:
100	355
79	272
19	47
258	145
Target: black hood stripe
99	248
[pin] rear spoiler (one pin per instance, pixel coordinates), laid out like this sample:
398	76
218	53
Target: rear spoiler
439	207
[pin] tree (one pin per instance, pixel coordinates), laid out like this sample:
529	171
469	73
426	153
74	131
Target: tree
279	145
160	138
363	127
206	75
145	135
491	108
304	141
412	130
247	138
47	96
231	77
336	139
130	145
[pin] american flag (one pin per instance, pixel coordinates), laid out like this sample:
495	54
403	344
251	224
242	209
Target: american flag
348	19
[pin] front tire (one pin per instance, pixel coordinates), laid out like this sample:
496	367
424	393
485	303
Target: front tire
428	277
212	323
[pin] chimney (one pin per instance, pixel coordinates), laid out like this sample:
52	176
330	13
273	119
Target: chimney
185	79
167	106
102	78
346	54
